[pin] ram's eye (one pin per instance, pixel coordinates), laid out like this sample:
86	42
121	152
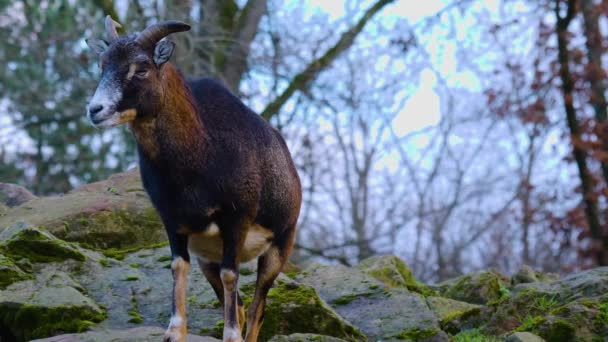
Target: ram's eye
141	72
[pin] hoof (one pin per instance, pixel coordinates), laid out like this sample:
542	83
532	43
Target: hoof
175	334
232	335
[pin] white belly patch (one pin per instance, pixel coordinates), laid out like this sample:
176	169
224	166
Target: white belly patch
208	245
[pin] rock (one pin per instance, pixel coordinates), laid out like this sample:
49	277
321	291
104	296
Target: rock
10	272
379	311
304	338
115	213
49	304
527	275
13	195
393	272
454	315
572	308
297	308
523	337
483	287
124	335
22	240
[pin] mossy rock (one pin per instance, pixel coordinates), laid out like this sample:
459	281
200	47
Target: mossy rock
25	241
483	287
51	303
570	307
454	315
123	335
524	337
393	272
379	311
10	272
297	308
115	213
304	338
528	275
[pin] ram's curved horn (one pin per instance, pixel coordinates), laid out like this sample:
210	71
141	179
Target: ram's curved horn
111	26
155	32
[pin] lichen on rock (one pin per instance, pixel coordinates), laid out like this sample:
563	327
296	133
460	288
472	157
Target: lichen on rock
26	241
393	272
45	306
10	272
297	308
483	287
454	315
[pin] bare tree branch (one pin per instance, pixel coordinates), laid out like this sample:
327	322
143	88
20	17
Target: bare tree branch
301	80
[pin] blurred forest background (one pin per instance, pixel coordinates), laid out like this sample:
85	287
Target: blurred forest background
456	134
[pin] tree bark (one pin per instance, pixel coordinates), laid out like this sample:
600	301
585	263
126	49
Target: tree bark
591	208
595	73
246	29
301	80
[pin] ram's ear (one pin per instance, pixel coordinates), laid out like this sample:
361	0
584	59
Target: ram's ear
163	51
99	46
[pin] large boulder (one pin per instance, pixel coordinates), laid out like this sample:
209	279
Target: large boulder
12	195
393	272
115	213
297	308
51	303
572	308
381	312
304	338
454	315
22	240
139	334
483	287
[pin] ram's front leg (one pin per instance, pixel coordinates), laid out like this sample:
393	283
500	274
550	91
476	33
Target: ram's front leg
180	266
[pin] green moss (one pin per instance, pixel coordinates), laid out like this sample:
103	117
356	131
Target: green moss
295	308
546	303
560	331
474	335
131	278
218	329
345	299
104	262
119	254
135	265
11	273
164	258
415	334
119	229
28	322
292	275
393	272
136	317
530	323
37	246
601	318
459	315
246	271
486	287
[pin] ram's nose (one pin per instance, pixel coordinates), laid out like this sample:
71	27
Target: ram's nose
94	109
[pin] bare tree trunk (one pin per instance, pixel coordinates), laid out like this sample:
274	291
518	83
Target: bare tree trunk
595	73
591	209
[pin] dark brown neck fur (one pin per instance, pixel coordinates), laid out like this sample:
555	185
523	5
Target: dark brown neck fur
175	126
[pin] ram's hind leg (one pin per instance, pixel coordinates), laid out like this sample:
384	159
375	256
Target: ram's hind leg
211	271
270	265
